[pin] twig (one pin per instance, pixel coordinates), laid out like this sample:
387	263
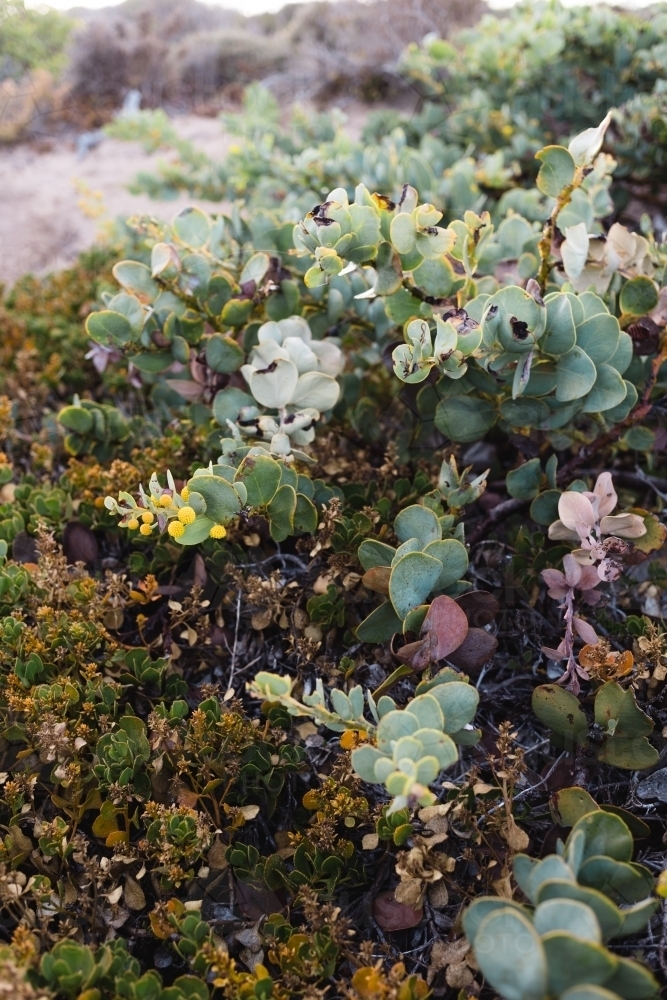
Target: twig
236	638
663	940
531	788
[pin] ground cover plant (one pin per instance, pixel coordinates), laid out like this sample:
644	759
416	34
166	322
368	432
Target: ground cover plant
332	583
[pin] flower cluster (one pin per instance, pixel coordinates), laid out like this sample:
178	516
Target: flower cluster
587	518
164	509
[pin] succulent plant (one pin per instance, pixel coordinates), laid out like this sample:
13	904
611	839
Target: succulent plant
416	743
555	947
216	496
309	866
619	736
96	429
424	563
413	744
123	754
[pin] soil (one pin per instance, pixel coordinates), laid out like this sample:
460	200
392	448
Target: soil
49	194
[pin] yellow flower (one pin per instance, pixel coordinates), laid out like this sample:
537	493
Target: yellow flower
176	529
133	524
148	517
661	887
165	500
146	529
218	531
186	515
185	493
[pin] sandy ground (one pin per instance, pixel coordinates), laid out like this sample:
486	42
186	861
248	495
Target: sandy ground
43	194
45	190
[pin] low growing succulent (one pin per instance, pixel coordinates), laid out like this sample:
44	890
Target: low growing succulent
91	428
425	563
123	754
620	730
581	897
217	496
413	745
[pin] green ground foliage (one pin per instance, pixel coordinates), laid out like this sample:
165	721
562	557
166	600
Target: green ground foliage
332	575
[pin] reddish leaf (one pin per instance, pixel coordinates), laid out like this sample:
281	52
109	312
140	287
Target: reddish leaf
447	621
479	606
418	654
377	578
391	915
476	649
443	630
79	543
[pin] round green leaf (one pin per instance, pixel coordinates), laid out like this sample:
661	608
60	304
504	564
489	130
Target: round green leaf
380	624
197	532
108	327
464	419
556	172
373	553
573	961
638	296
524	412
152	362
76	419
609	391
222	500
599	337
524	483
193	227
260	475
481	908
419	522
305	517
453	556
228	403
560	711
561	334
510	955
223	354
631	980
604	834
622	882
567	915
403	232
412	579
136	278
280	512
576	375
608	914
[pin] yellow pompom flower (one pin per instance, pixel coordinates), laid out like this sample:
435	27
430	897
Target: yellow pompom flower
133	524
148	517
217	531
186	515
146	529
176	529
185	494
165	500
